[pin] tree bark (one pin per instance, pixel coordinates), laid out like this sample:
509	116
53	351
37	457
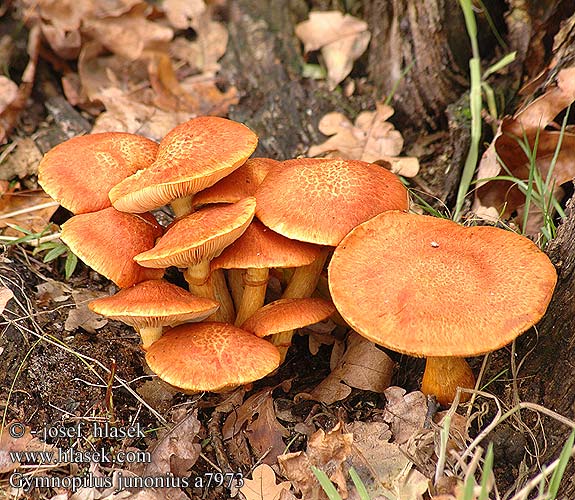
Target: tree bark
547	374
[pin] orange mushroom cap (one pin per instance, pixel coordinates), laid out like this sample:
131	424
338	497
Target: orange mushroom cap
429	287
241	183
154	303
108	240
211	357
288	314
192	157
79	172
199	236
320	200
260	247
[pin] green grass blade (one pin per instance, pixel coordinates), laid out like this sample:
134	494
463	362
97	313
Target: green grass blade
504	61
560	470
486	473
359	486
70	265
54	253
326	484
473	154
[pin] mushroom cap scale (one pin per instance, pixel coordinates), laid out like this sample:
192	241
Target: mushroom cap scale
288	314
192	157
430	287
79	172
211	357
108	240
154	303
200	236
320	200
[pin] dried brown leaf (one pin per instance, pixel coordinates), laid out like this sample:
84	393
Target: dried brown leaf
128	35
265	433
372	138
404	412
263	485
326	451
30	210
182	13
5	295
502	198
82	317
176	450
340	55
323	28
362	365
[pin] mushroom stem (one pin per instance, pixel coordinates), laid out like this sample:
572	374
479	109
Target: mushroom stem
236	282
302	284
149	335
182	206
305	278
226	312
255	281
212	286
442	377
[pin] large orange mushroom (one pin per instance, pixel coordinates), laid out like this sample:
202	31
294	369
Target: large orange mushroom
429	287
319	200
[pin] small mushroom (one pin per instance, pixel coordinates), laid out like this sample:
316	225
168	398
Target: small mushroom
288	314
473	292
151	305
194	240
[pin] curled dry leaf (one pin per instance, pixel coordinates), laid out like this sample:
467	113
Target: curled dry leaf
341	38
326	451
372	138
382	466
404	412
176	450
362	366
263	485
503	198
257	416
82	317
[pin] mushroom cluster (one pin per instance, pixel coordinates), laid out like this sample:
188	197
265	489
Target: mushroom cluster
236	218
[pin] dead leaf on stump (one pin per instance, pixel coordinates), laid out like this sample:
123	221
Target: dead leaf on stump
501	198
342	39
372	139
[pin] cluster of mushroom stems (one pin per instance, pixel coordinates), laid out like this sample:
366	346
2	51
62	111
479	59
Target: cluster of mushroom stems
394	277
